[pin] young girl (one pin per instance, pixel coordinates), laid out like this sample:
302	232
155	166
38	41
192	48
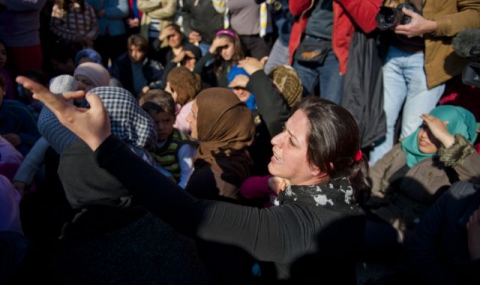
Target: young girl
225	51
74	21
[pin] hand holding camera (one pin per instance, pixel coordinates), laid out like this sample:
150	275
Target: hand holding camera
404	19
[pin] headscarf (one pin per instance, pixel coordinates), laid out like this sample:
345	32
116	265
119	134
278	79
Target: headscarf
288	83
92	54
129	122
95	72
225	129
461	121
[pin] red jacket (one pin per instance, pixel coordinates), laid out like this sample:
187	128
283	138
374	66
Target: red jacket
346	14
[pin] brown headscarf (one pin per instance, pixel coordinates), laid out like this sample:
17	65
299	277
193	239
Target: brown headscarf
225	129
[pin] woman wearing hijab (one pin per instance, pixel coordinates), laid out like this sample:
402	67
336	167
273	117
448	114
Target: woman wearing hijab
224	127
409	178
90	75
317	225
87	75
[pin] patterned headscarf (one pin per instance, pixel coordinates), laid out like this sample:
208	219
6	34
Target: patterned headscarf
461	121
129	121
225	129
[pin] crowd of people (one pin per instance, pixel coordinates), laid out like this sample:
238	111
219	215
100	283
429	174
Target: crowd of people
237	142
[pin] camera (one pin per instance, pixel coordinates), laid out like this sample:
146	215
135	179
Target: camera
389	17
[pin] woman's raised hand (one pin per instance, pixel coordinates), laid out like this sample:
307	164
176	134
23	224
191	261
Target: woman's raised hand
439	130
251	65
91	125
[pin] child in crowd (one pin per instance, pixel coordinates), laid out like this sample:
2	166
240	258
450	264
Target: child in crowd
242	93
226	51
174	150
184	86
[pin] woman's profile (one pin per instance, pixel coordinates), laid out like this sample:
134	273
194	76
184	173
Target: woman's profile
317	225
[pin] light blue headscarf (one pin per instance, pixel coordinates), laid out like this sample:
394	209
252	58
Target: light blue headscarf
461	121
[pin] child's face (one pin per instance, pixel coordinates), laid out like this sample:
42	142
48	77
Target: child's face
136	54
164	122
227	51
3	55
241	93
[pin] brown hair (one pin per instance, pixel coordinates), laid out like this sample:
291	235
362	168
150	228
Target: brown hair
157	100
138	41
238	55
186	83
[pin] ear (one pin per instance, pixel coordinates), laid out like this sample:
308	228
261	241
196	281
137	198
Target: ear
316	172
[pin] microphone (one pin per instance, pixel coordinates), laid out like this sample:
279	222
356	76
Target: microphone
467	43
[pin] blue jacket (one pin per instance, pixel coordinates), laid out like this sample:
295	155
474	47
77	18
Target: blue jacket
16	118
115	13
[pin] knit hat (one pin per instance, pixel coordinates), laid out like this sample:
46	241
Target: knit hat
236	70
56	134
92	54
288	83
62	84
95	72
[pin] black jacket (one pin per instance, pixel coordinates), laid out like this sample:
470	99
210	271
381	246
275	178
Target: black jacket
122	70
304	238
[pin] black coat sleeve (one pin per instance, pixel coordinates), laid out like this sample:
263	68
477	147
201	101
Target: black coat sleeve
260	232
271	105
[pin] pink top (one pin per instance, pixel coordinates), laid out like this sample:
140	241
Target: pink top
181	121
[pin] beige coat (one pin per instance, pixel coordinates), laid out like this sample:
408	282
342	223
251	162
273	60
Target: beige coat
408	196
452	16
163	10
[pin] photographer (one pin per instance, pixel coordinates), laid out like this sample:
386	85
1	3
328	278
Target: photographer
420	59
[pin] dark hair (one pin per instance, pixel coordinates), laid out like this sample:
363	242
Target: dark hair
333	143
238	55
138	41
175	27
158	100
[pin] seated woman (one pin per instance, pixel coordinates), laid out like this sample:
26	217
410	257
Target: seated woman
224	128
317	225
409	178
